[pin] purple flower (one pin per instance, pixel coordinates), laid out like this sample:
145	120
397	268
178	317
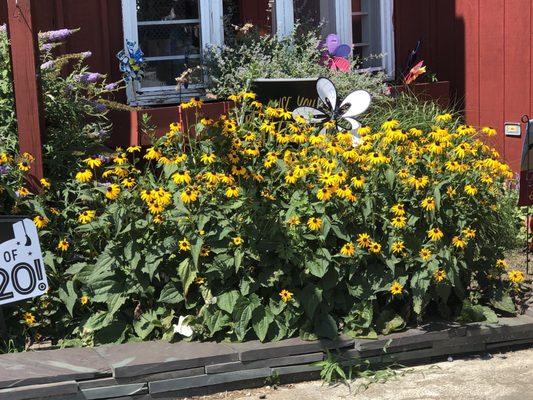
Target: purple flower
105	159
111	86
3	28
88	77
4	169
56	36
99	108
46	47
48	65
86	54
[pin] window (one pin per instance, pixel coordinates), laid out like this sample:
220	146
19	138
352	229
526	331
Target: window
173	33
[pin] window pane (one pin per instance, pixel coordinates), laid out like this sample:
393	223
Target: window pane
169	40
164	73
166	10
366	28
307	12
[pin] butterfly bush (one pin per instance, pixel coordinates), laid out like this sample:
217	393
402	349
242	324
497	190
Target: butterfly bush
263	226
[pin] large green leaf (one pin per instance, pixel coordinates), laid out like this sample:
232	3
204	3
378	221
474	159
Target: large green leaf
242	315
68	296
217	321
325	326
226	301
261	320
170	294
419	287
187	273
311	297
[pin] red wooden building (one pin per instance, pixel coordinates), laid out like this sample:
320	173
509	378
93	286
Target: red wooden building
482	47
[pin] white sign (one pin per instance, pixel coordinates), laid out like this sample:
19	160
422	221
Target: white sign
22	274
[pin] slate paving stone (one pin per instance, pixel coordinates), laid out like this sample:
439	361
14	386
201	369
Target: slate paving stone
51	390
172	385
255	350
137	359
271	362
35	368
110	392
295	369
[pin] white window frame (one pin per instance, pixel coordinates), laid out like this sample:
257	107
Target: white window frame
212	34
340	12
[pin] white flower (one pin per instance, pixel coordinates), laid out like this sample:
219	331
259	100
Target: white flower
183	327
353	105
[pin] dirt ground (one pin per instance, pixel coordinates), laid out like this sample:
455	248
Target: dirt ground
507	376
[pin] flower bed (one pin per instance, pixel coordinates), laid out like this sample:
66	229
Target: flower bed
260	226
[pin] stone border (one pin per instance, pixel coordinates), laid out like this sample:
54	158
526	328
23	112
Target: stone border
160	370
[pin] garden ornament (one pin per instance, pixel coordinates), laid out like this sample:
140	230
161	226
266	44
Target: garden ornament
416	71
336	54
183	327
333	109
132	63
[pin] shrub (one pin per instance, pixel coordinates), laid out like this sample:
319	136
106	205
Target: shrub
250	56
257	226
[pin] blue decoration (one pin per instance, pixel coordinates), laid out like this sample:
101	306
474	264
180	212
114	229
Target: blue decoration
132	63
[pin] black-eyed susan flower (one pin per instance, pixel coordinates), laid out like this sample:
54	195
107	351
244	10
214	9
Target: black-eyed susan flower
45	183
128	183
40	222
489	131
470	190
188	195
390	124
183	177
24	166
158	219
184	245
112	191
425	253
291	178
84	176
398	247
375	248
396	288
428	204
439	275
398	210
399	222
232	192
86	216
348	249
293	221
152	154
314	223
323	194
364	240
458	242
133	149
358	182
208	158
435	234
23	192
93	162
285	295
238	241
516	276
205	251
63	245
120	159
469	233
29	318
84	300
501	263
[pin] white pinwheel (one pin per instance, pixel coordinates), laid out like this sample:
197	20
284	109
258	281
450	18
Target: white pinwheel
352	106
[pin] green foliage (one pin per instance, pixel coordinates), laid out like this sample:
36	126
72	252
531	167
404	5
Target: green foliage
250	56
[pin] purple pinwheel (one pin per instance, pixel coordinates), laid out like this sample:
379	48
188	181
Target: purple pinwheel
336	54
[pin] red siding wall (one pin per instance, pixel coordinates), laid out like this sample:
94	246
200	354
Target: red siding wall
484	48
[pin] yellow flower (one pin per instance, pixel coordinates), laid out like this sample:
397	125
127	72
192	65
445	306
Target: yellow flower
84	300
390	124
435	234
24	166
207	122
428	204
40	222
396	288
86	216
120	159
469	233
23	192
516	276
181	177
133	149
398	247
63	245
158	219
45	183
291	178
162	197
470	190
293	221
199	280
29	318
84	176
363	240
152	154
93	162
439	275
358	182
205	251
323	194
364	130
425	253
285	295
375	247
237	241
208	158
398	210
128	183
188	196
458	242
501	263
443	117
314	223
348	249
185	245
112	191
377	158
399	222
232	191
489	131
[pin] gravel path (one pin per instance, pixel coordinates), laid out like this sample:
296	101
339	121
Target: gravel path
507	376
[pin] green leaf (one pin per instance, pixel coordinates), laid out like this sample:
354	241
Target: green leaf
115	333
226	301
145	325
503	302
419	287
217	321
326	327
244	309
311	297
196	247
97	321
68	296
261	320
170	294
477	313
388	321
187	272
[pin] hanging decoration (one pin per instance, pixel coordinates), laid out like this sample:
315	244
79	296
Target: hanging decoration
336	55
132	62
